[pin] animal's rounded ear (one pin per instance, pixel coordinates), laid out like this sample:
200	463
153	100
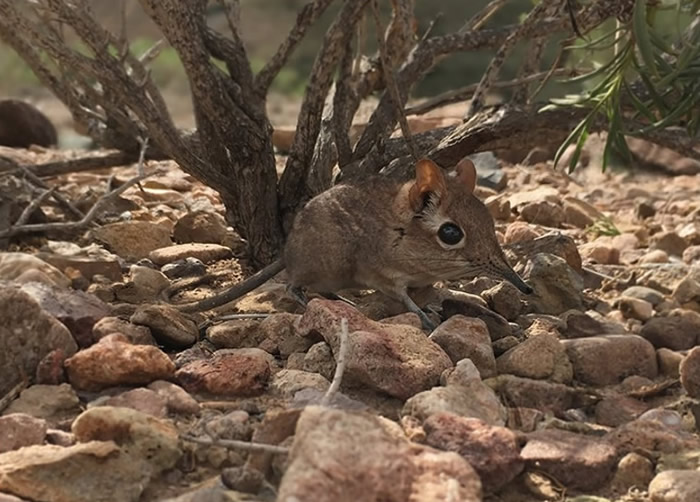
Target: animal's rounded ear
466	174
429	180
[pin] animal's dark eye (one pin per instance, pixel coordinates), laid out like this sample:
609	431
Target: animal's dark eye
450	234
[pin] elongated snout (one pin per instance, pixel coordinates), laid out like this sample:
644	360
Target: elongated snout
510	275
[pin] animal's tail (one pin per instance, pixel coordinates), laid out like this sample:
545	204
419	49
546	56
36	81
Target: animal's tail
235	291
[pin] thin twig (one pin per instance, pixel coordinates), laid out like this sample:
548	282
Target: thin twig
306	17
552	71
236	444
465	92
340	363
390	80
73	225
32	206
55	194
481	18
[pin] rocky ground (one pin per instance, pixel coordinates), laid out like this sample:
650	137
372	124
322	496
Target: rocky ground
585	391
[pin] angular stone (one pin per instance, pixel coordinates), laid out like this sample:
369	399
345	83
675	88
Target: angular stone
319	359
498	326
464	373
557	286
670	242
669	362
138	335
689	371
20	267
505	300
88	266
539	394
233	372
334	450
286	383
467	338
200	226
77	310
141	399
279	330
475	401
236	334
177	399
53	403
152	441
675	486
634	308
19	429
27	335
677	331
644	434
606	360
133	240
168	325
96	471
114	361
540	357
577	461
617	410
492	451
633	471
543	213
643	293
398	360
206	253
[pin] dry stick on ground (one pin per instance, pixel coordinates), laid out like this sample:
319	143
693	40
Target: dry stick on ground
88	162
340	363
390	80
239	445
20	228
73	225
31	207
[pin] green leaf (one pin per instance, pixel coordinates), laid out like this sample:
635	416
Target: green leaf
641	35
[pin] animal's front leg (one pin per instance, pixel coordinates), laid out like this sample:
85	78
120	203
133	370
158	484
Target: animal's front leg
411	306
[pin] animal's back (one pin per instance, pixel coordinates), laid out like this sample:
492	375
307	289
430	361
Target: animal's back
337	232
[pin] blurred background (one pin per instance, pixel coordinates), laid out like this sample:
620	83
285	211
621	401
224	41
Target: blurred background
264	24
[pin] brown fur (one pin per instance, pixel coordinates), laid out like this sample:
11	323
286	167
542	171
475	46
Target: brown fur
380	235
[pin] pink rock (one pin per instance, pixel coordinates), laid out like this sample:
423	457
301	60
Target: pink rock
236	372
575	460
114	361
492	451
20	430
467	338
396	359
143	400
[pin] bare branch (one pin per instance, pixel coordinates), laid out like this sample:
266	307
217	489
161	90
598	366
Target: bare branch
299	160
19	228
482	17
65	203
463	93
340	363
529	66
308	15
542	10
85	163
390	80
32	207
